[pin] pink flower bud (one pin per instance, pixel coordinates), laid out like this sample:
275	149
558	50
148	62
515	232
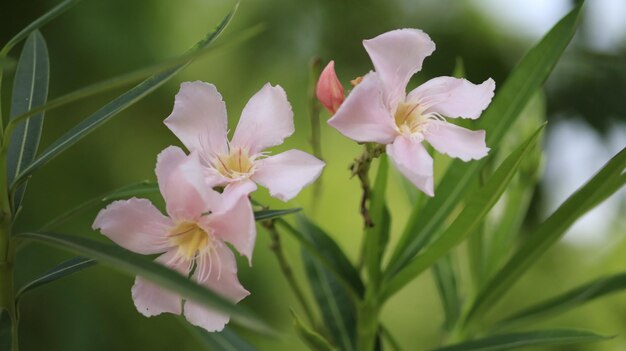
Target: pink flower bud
329	90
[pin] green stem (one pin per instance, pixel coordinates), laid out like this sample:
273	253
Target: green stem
7	251
367	322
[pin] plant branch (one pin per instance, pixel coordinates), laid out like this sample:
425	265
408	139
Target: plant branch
360	168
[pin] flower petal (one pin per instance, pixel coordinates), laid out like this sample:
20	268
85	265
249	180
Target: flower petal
413	161
219	274
266	120
136	225
363	117
329	90
456	141
199	118
287	173
397	55
234	221
454	97
183	184
151	299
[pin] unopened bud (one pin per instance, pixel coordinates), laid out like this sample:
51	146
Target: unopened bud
329	90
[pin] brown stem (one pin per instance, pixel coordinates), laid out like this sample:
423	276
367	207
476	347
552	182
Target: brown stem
360	168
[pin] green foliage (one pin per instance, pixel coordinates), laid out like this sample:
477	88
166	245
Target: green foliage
446	279
527	339
30	89
226	340
377	237
311	338
5	330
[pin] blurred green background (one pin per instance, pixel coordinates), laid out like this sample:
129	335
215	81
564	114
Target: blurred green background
92	310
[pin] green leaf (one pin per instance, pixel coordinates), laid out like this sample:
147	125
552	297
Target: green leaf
376	237
606	182
509	101
311	338
62	270
48	16
445	276
333	298
137	265
527	339
270	214
568	300
5	330
467	221
30	89
111	109
6	63
226	340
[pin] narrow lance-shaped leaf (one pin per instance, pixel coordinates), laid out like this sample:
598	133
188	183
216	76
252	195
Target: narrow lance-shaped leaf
5	330
527	339
271	214
509	101
311	338
444	273
114	107
576	297
30	89
226	340
62	270
606	182
137	265
466	222
376	237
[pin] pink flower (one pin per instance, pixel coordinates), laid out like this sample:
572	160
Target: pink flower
329	90
379	110
191	238
199	121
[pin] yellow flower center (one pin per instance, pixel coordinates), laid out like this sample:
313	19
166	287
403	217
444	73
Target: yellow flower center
410	118
235	165
190	239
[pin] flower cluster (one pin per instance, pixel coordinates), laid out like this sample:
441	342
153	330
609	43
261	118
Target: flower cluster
201	220
379	110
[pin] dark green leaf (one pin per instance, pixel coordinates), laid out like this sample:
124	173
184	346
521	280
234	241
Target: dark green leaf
269	214
376	237
528	339
226	340
477	207
30	89
5	330
133	264
569	300
311	338
48	16
62	270
509	101
444	272
606	182
111	109
6	63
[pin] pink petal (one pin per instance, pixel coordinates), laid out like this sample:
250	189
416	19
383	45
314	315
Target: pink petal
397	55
456	141
234	222
183	184
199	118
329	90
411	159
218	273
454	97
363	117
266	120
136	225
287	173
151	299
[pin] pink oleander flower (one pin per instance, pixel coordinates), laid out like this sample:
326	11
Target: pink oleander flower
199	121
329	90
379	110
191	238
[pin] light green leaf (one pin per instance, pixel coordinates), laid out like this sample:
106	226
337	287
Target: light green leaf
48	16
5	330
444	273
527	339
567	301
477	207
62	270
114	107
137	265
376	237
506	106
606	182
310	337
226	340
30	89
